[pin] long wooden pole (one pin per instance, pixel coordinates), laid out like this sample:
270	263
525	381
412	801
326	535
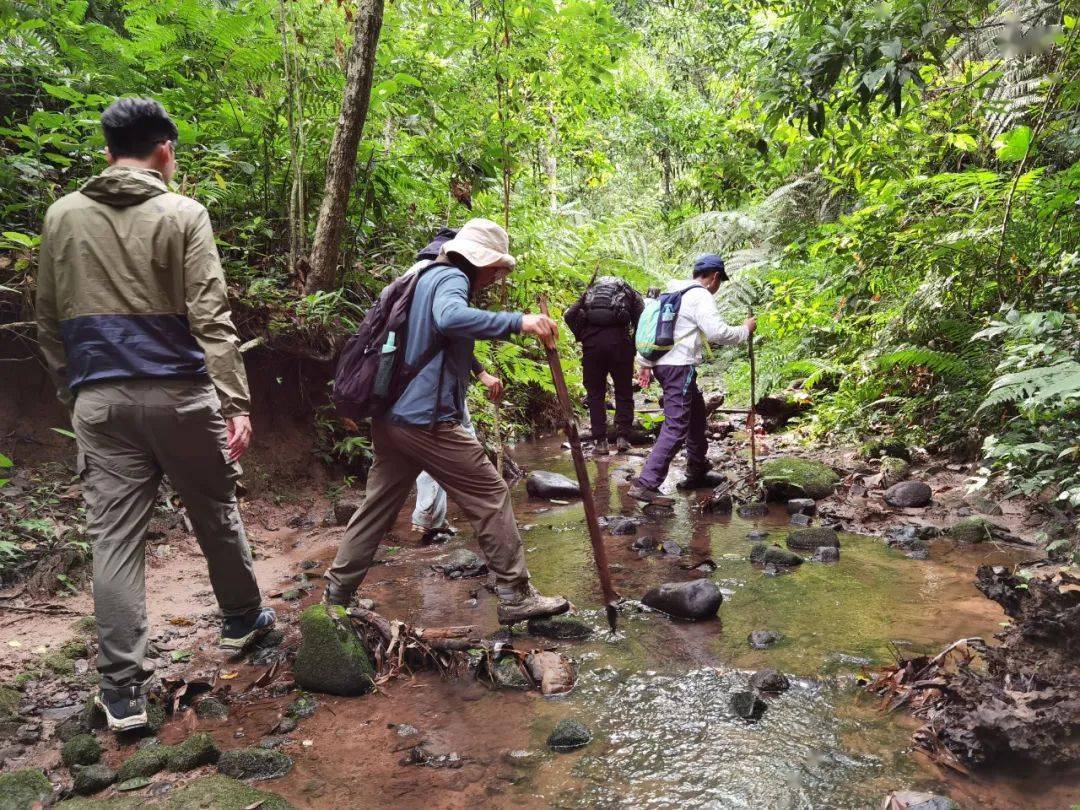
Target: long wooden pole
751	415
591	521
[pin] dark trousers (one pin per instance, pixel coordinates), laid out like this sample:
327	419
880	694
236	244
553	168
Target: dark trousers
598	363
684	423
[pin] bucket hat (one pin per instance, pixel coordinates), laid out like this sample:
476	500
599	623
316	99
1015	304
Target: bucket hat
482	243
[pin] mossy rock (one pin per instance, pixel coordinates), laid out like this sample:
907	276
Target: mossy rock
93	778
254	763
86	626
198	749
507	674
878	448
72	727
59	663
331	658
222	793
27	675
894	470
812	539
10	698
144	762
789	477
112	803
74	649
21	790
83	749
971	530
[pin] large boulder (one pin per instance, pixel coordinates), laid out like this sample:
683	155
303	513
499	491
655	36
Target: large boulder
774	555
812	539
788	477
21	790
693	600
543	484
331	658
908	494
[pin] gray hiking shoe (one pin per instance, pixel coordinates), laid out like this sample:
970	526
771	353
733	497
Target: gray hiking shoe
518	604
640	492
622	445
333	595
600	447
125	709
239	631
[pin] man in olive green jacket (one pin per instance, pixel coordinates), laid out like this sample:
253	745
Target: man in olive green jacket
134	323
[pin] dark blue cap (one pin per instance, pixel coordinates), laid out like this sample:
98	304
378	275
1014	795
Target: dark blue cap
708	263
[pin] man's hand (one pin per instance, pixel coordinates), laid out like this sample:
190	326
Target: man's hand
542	326
493	385
239	428
750	324
644	377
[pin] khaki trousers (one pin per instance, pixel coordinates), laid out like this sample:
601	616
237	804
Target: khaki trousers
129	433
456	460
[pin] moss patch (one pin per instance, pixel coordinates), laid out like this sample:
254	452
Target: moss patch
144	762
878	448
93	778
789	477
59	663
198	749
971	530
254	763
86	626
331	658
81	749
894	470
223	793
9	702
22	789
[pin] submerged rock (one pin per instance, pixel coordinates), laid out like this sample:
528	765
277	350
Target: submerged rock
568	735
774	555
553	673
789	477
461	563
672	549
621	525
80	750
757	536
93	779
799	519
543	484
762	639
254	763
983	505
913	800
25	788
908	494
507	674
694	600
331	658
811	539
748	705
770	680
644	544
560	627
802	506
753	509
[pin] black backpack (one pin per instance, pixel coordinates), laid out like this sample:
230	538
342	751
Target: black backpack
607	302
371	373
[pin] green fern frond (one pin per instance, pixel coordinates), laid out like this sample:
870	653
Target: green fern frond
945	364
1044	385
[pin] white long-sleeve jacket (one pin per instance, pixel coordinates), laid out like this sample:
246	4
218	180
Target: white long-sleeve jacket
698	318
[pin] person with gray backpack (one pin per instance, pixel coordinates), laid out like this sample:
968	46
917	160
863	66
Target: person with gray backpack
603	320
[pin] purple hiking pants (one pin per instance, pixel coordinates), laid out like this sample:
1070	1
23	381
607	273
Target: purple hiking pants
684	423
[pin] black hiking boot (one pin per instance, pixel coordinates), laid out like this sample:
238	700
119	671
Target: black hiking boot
124	709
239	631
640	492
700	478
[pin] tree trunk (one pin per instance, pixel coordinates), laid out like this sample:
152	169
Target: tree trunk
325	272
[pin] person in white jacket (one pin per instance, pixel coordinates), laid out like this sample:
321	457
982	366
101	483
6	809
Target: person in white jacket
676	371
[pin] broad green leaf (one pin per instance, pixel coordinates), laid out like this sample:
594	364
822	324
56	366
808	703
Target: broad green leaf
1013	145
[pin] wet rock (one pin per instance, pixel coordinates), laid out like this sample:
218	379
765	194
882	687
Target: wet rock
757	536
254	763
644	544
827	554
223	793
799	519
790	477
29	733
568	735
343	511
331	658
542	484
811	539
672	549
620	525
971	530
748	705
693	600
72	727
460	563
83	749
893	471
303	706
908	494
24	789
93	779
552	672
769	680
286	725
198	749
144	762
877	448
774	555
522	758
560	627
422	755
754	509
762	639
983	506
913	800
507	674
210	708
802	506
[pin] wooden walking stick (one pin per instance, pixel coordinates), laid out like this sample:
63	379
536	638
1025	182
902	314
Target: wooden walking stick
570	426
750	415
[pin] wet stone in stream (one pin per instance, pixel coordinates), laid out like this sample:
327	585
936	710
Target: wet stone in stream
460	563
774	555
769	680
754	509
568	735
812	539
560	627
748	705
762	639
692	601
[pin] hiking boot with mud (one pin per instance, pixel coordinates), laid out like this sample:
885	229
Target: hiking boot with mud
519	604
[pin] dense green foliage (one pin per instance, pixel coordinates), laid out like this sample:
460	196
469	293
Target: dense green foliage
895	184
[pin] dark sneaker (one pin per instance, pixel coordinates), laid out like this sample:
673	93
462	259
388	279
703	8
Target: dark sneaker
125	709
433	537
519	604
600	448
333	595
701	478
622	445
644	494
239	631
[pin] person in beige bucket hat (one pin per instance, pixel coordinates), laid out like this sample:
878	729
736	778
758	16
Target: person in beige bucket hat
423	430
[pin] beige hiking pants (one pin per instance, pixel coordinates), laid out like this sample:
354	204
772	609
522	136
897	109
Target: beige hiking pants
130	433
456	460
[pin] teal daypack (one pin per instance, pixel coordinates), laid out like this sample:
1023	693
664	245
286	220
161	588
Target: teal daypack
656	328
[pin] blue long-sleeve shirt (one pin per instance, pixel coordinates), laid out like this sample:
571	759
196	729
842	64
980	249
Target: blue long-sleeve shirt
440	311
